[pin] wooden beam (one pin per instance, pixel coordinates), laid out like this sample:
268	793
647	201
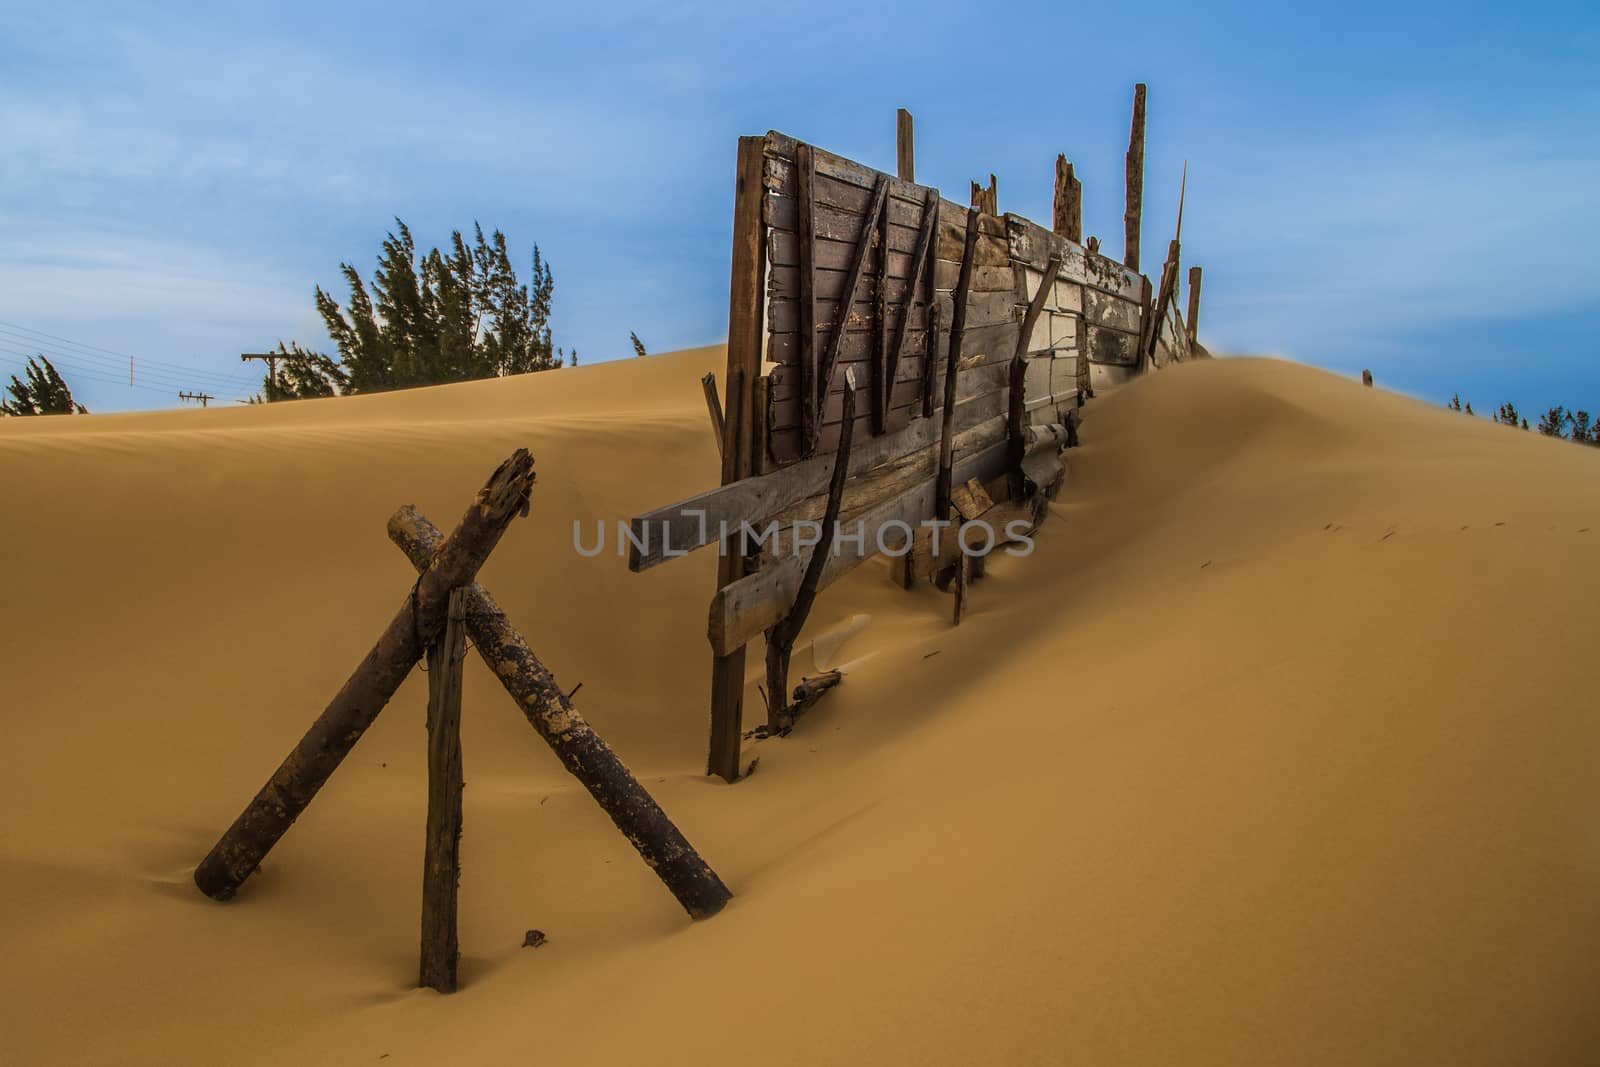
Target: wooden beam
1016	425
1030	319
441	863
741	611
1068	213
1135	182
919	265
581	751
805	227
1193	318
782	634
830	355
713	406
745	295
905	166
309	765
958	326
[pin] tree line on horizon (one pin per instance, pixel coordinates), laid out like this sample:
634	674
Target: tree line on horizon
1568	424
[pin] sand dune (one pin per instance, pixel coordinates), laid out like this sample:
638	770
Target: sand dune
1279	749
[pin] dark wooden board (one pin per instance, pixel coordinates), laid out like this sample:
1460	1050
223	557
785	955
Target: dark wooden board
1112	346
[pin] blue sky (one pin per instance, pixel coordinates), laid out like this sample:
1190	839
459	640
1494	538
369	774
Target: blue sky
1406	187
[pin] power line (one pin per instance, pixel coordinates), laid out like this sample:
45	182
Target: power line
159	370
11	327
204	398
73	361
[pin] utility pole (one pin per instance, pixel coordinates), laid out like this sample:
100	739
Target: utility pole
270	359
204	398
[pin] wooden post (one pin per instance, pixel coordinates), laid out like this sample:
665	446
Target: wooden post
745	291
958	327
781	637
1193	318
963	575
441	864
805	302
1135	180
1016	419
421	616
713	405
921	259
904	158
1068	221
584	754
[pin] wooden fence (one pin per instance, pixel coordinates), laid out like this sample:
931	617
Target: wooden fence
894	358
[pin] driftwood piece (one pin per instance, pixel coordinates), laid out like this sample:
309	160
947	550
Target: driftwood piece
589	759
781	636
1135	182
904	154
420	618
713	405
811	688
958	326
441	863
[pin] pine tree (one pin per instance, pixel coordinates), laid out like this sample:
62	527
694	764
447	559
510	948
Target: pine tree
1552	422
638	345
44	393
1507	415
1469	407
450	316
1582	431
1455	402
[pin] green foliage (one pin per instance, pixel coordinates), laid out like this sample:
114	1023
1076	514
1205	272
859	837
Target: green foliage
1553	422
1582	431
1507	416
454	315
44	393
638	345
1455	403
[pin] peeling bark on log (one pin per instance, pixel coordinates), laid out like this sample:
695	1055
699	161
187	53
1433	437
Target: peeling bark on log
441	864
811	688
418	622
641	820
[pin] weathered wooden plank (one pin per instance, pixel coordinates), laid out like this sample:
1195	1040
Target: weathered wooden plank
441	862
1036	305
1110	311
1032	245
1193	317
904	156
830	348
984	309
958	323
784	315
741	611
805	304
1067	216
1112	346
745	288
920	268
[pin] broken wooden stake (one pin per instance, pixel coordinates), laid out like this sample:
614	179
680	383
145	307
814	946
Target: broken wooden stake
781	636
811	688
1068	208
1193	319
713	406
422	615
1135	183
589	759
441	864
963	572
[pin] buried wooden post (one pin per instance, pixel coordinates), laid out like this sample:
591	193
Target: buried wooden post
1193	319
1135	183
421	616
585	755
713	405
441	864
781	636
1016	419
963	574
904	157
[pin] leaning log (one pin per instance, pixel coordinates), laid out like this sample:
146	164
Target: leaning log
414	627
441	854
582	751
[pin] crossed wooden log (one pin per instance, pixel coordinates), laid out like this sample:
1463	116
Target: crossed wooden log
445	599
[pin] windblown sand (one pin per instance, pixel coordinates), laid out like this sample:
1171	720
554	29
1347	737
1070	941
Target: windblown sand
1280	749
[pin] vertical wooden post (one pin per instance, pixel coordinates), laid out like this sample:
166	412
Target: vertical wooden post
992	199
1068	220
958	327
963	575
747	277
1016	419
441	865
805	239
1135	178
904	157
1193	318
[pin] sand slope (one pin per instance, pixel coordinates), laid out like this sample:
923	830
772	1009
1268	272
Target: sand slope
1279	749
